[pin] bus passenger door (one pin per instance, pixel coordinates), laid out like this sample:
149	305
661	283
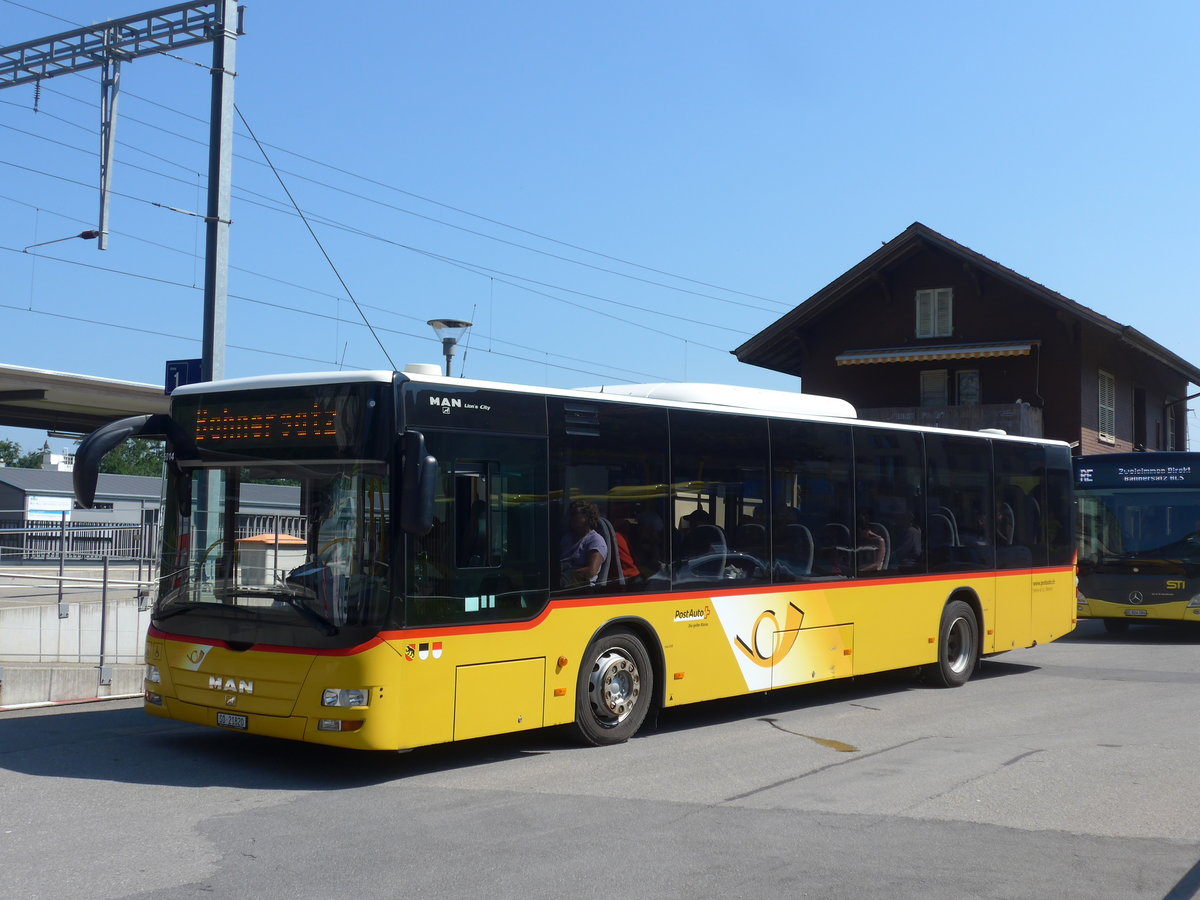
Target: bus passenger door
484	561
1020	539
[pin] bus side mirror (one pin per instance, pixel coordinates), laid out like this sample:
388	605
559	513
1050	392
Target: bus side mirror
418	484
94	447
87	458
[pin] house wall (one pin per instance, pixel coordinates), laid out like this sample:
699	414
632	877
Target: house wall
11	498
882	313
1131	370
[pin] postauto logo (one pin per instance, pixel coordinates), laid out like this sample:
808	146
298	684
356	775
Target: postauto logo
695	614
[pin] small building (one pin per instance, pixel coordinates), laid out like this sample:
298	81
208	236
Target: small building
35	504
927	331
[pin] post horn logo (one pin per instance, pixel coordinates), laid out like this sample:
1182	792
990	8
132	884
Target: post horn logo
769	643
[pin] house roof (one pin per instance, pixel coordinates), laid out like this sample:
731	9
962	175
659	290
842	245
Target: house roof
264	497
53	481
775	346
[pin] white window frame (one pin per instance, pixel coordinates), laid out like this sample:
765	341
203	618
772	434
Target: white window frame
1106	390
935	312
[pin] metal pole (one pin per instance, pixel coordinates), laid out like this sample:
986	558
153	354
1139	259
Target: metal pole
62	561
220	164
103	611
275	564
110	86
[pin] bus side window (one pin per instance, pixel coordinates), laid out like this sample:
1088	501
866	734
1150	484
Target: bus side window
891	536
960	504
613	456
1020	492
810	510
484	558
719	499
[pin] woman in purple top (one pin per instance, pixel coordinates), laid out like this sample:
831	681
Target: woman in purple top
583	549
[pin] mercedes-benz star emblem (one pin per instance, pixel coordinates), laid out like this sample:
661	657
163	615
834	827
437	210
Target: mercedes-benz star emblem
1135	596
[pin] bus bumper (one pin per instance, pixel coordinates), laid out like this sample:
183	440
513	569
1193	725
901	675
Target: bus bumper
1174	611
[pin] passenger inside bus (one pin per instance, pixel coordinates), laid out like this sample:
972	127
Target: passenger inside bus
583	549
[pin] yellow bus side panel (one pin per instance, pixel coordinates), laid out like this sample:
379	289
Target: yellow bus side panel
1014	612
1053	605
496	698
436	685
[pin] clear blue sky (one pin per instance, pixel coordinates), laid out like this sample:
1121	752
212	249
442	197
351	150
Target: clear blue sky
510	163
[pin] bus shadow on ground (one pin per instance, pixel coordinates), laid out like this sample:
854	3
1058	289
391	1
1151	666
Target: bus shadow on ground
126	746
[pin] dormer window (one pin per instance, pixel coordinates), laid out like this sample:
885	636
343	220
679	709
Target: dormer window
935	313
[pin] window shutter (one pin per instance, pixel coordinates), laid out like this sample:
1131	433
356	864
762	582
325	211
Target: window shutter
924	314
944	326
934	387
1107	390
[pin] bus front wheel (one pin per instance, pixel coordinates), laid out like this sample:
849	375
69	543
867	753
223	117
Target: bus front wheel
958	645
614	691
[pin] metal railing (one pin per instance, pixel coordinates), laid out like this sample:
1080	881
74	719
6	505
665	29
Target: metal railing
47	540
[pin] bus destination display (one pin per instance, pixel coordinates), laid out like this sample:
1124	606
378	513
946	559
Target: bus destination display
1122	472
336	420
311	422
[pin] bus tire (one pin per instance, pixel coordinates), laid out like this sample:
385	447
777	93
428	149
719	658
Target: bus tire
1116	626
958	645
614	690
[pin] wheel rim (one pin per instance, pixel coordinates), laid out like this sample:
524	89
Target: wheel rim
613	687
958	646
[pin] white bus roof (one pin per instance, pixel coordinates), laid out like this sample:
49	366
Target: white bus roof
715	397
758	399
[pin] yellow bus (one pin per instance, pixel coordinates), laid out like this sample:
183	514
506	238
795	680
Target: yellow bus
1139	537
466	558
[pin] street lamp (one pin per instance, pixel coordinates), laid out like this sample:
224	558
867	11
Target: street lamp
449	330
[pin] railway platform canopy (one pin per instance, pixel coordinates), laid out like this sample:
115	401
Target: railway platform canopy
69	403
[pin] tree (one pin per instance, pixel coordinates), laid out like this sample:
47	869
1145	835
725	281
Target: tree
138	456
13	455
10	452
30	460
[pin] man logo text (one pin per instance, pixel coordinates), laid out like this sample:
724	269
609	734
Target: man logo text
234	686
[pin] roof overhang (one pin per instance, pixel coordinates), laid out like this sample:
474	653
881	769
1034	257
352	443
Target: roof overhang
60	401
779	345
926	354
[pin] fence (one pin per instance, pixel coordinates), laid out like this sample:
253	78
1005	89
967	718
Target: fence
74	540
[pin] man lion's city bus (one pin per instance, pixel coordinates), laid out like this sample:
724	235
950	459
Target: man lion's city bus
1139	537
428	586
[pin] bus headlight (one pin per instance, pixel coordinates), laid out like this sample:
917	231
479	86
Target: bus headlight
152	674
344	697
1194	603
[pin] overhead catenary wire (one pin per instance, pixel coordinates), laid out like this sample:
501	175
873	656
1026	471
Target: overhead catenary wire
779	304
324	294
325	316
510	279
449	260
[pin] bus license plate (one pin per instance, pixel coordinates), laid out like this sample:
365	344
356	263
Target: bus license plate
1135	612
229	720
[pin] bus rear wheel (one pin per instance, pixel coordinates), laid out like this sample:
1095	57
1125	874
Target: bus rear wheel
614	690
958	645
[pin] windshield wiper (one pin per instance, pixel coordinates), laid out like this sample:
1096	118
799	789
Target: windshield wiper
292	600
183	606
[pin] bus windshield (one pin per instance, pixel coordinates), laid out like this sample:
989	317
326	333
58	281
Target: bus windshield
317	566
1119	526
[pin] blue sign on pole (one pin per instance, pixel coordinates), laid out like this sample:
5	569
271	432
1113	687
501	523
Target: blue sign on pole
181	372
